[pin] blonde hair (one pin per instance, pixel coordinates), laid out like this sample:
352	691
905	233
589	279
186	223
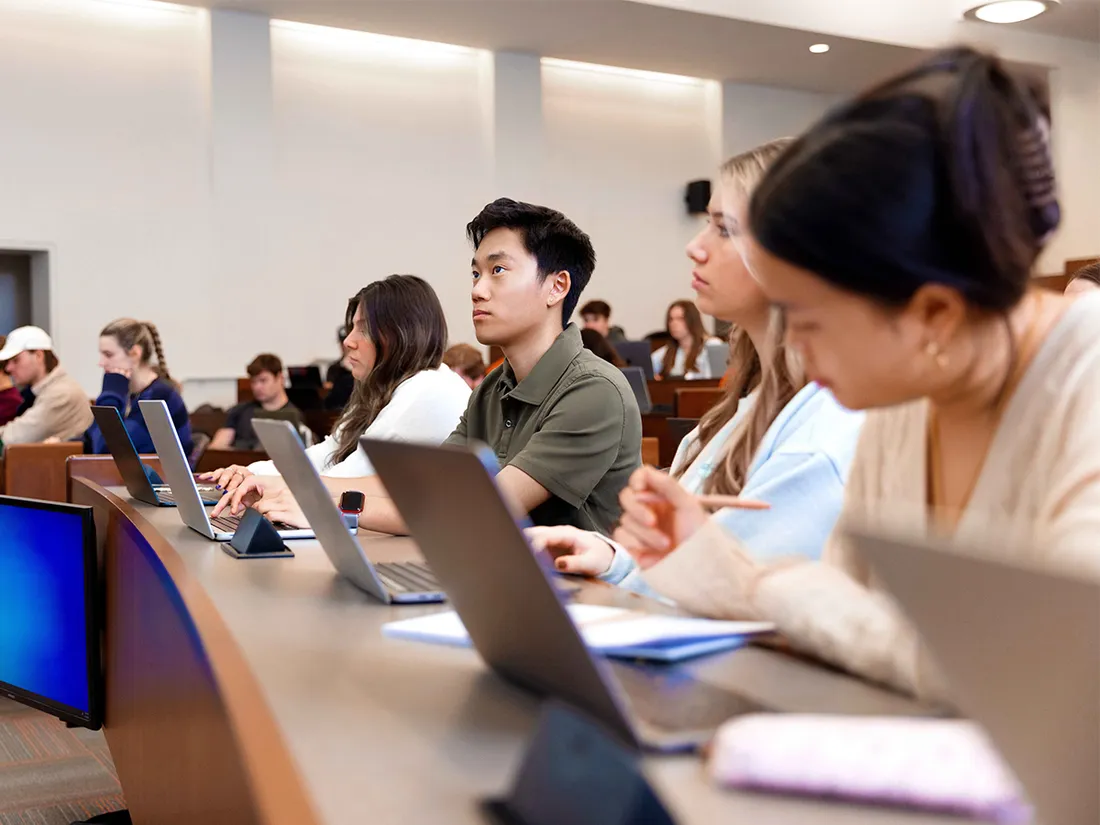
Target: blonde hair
143	335
776	372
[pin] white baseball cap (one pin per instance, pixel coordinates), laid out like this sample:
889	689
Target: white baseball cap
23	339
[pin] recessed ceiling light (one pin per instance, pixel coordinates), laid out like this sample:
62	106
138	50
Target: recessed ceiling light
1009	11
819	48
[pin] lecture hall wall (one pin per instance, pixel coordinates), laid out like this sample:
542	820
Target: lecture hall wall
237	188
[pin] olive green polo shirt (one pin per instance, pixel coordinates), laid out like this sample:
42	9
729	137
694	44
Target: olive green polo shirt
572	425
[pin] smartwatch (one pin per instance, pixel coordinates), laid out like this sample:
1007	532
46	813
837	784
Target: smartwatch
351	505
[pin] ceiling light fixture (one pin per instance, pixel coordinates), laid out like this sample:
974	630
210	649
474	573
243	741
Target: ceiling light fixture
1007	11
819	48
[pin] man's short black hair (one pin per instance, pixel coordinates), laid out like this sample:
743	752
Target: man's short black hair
601	309
555	241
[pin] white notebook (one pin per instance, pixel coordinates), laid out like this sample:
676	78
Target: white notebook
611	631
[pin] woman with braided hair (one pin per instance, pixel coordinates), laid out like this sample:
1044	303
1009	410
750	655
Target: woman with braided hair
131	355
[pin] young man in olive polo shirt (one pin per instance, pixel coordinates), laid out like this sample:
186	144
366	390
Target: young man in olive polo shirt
563	422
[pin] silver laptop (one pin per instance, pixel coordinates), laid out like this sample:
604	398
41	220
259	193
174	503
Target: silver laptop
182	482
635	376
717	354
389	582
1020	649
141	481
517	621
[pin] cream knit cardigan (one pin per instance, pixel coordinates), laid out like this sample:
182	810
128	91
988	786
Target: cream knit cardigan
1040	484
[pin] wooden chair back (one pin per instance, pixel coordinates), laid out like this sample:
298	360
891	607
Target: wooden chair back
38	470
663	393
216	459
101	469
651	452
695	403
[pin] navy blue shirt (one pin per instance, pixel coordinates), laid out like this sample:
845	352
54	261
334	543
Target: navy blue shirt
116	393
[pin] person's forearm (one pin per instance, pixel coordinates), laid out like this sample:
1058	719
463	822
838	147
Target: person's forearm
367	485
223	439
380	515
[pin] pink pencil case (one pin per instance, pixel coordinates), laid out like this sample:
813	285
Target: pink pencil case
942	765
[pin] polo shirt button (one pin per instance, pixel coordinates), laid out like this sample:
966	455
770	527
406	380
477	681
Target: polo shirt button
508	423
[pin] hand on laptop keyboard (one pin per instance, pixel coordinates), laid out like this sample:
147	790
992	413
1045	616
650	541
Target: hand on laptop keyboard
269	496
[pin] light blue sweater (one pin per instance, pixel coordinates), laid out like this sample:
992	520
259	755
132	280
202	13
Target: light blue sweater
799	469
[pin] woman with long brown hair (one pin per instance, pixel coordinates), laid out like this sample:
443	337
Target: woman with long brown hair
774	436
396	338
684	357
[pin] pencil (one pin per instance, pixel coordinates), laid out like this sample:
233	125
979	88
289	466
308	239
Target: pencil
719	502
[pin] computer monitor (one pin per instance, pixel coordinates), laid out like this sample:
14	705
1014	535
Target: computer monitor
50	610
637	354
305	377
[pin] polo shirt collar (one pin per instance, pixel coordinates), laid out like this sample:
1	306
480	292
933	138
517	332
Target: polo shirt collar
535	388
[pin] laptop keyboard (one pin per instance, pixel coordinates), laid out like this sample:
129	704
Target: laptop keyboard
229	524
668	698
207	494
408	577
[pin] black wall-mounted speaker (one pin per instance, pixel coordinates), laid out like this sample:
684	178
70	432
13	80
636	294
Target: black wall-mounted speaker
697	196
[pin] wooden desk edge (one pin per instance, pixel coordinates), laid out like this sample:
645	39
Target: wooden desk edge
270	769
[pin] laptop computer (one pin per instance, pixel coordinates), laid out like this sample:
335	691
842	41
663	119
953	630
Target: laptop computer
518	623
717	354
635	376
182	482
390	582
1020	649
305	377
141	481
637	354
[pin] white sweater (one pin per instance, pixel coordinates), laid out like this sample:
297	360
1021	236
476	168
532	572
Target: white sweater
425	407
1040	483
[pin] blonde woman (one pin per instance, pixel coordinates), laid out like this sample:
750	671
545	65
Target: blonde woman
131	356
773	436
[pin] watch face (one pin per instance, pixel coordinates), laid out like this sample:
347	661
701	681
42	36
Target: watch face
352	501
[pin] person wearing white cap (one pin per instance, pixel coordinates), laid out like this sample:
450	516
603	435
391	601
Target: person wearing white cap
60	408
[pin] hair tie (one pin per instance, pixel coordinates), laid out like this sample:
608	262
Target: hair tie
1035	168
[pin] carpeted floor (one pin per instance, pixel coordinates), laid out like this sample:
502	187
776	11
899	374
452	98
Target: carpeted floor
49	774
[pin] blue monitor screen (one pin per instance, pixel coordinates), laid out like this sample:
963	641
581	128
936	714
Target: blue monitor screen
43	610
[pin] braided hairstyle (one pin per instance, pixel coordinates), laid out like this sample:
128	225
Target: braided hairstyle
144	335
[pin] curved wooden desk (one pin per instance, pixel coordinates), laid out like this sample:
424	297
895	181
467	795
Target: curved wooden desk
264	692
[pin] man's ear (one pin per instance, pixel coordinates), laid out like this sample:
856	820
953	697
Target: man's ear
559	282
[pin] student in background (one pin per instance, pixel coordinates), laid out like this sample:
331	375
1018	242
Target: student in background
339	378
60	410
268	384
684	358
898	237
596	343
563	423
466	362
596	315
131	356
774	436
10	397
1084	281
403	390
